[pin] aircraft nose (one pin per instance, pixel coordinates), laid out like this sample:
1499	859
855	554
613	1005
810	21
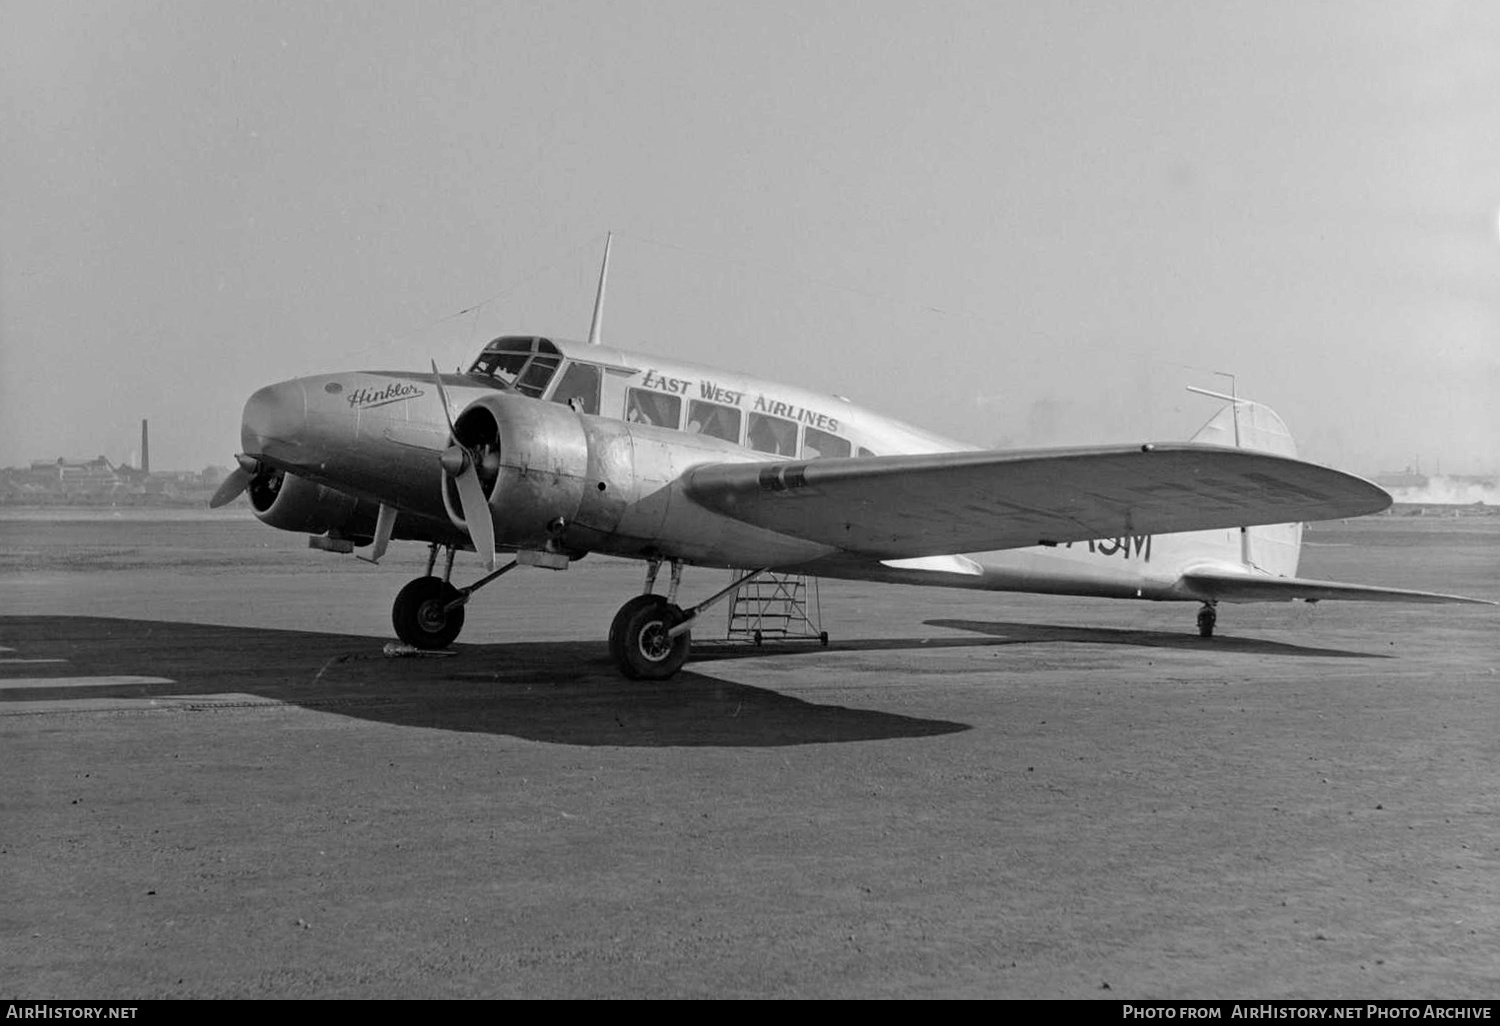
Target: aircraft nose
276	413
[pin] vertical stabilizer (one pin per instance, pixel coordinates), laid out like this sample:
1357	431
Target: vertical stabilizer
596	326
1275	548
1245	425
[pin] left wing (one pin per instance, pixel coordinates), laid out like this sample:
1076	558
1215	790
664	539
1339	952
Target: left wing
936	504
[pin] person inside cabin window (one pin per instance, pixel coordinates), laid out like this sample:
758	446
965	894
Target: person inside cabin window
772	435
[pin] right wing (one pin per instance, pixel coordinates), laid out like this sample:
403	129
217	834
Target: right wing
902	507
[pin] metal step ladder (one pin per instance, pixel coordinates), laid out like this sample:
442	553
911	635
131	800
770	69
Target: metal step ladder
777	607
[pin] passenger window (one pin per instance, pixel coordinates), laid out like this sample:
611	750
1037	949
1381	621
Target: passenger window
714	420
579	388
772	434
643	406
821	445
865	452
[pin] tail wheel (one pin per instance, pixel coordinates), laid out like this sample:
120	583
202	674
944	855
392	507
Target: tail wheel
421	617
646	650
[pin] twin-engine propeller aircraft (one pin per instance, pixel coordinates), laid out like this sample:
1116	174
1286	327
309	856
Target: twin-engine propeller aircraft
549	450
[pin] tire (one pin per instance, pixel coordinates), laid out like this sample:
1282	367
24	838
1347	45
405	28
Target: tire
646	653
617	626
1206	620
418	614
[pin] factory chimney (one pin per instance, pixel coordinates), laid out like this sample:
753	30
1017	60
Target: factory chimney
145	450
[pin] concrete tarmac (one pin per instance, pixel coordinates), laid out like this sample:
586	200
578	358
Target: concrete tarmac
217	785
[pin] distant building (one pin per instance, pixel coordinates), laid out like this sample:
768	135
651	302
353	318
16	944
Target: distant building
95	475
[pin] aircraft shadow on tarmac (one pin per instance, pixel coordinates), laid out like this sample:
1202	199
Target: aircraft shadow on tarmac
1032	633
557	692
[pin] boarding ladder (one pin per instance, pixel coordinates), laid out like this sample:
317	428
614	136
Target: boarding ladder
777	607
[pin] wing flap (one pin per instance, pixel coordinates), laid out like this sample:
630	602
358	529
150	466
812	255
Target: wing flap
1241	587
937	504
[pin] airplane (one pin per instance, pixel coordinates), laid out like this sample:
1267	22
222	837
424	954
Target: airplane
549	450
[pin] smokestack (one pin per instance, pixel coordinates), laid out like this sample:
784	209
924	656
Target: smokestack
145	450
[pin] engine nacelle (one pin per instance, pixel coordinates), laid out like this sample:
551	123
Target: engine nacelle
568	483
293	503
541	472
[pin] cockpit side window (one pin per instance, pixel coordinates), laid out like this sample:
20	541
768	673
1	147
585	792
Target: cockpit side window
534	379
523	362
772	434
579	388
505	366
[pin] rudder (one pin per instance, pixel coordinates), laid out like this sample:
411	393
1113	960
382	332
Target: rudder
1275	549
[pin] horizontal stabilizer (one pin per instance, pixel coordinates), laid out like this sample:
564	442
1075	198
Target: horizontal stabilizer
902	507
1213	585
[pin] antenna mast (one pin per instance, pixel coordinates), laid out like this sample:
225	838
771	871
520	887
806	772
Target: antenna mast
596	326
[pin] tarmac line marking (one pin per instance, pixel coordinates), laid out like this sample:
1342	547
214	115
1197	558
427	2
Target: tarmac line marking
170	703
78	682
4	649
12	662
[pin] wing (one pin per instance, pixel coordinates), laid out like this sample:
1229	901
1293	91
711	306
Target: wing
1242	587
927	505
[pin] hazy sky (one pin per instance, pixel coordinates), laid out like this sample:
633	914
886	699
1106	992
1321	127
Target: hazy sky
1015	223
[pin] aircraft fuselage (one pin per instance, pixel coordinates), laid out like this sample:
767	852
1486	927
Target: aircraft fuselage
636	424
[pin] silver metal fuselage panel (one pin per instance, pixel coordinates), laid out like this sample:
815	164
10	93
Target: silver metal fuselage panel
377	435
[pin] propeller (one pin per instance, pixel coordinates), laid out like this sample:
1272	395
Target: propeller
462	464
236	482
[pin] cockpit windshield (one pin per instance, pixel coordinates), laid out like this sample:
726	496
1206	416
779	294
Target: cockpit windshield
524	362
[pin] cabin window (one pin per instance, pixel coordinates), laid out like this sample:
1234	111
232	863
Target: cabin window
643	406
579	388
714	420
819	445
772	434
865	452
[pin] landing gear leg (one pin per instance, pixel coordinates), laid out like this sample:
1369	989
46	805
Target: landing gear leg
429	613
1207	617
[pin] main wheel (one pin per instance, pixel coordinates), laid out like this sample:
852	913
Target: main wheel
617	626
646	651
1207	617
420	615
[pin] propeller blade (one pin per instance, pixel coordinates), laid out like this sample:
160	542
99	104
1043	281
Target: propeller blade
477	514
233	485
460	464
437	379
